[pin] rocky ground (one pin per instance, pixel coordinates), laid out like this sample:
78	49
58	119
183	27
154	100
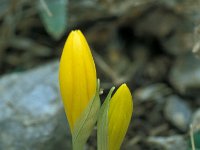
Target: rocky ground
151	45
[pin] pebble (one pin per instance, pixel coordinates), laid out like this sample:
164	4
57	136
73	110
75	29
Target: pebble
175	142
178	112
31	112
185	75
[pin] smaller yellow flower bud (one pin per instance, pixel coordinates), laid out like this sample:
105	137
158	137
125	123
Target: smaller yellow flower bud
77	76
119	116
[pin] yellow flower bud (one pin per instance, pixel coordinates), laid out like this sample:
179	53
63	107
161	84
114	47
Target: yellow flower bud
77	76
119	116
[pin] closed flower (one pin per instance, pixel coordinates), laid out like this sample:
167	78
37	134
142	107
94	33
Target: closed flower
119	116
77	76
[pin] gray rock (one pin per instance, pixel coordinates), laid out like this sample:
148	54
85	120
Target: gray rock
31	112
178	112
185	75
196	120
174	142
155	92
180	42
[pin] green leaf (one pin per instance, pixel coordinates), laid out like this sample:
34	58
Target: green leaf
86	123
102	123
196	141
54	16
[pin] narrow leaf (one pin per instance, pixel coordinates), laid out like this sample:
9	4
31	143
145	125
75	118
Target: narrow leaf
54	16
84	126
102	123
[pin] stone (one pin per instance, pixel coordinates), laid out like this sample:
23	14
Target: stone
196	120
195	129
174	142
155	92
185	75
32	115
179	42
177	112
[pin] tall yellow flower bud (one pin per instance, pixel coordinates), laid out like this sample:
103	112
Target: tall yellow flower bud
114	118
119	116
77	76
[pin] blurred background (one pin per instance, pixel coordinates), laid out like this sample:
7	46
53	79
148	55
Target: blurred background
152	45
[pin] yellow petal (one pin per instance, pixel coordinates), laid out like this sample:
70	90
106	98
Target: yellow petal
119	116
77	76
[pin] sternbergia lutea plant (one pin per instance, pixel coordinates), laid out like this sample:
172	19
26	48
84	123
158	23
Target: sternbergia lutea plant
79	88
